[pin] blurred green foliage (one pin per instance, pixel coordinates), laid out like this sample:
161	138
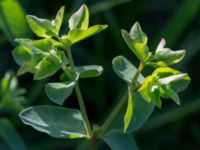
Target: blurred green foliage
178	21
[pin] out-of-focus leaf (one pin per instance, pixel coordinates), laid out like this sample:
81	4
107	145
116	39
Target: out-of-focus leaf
14	24
10	135
117	140
57	122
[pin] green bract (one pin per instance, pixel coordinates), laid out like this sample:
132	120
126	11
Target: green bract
137	41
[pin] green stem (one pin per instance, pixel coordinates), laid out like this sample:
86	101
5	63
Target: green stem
121	103
80	98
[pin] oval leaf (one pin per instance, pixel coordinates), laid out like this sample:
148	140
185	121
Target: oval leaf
59	18
89	71
117	140
58	92
55	121
125	69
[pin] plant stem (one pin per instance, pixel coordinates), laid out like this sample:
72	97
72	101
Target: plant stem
121	103
80	98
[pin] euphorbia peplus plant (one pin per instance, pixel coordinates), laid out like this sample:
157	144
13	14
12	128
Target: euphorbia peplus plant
46	56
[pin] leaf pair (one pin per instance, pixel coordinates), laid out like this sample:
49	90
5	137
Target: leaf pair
164	82
166	57
136	40
40	57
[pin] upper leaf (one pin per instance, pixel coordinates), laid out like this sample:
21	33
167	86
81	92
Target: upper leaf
59	18
137	41
168	56
41	27
76	35
80	19
57	122
125	69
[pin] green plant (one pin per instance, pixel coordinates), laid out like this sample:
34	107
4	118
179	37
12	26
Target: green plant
46	56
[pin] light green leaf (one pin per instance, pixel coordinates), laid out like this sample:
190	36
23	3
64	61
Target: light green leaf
58	92
117	140
46	67
166	55
177	86
80	19
59	18
77	35
173	78
10	135
137	34
137	41
125	69
130	108
41	27
57	122
89	71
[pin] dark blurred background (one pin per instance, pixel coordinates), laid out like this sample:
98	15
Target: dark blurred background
178	21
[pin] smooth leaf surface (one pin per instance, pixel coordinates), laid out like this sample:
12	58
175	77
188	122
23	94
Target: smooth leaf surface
130	108
80	19
125	69
14	25
117	140
10	135
58	92
57	122
59	18
41	27
89	71
77	35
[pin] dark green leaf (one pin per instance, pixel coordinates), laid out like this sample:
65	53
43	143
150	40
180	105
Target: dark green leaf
55	121
89	71
58	92
125	69
117	140
10	135
80	19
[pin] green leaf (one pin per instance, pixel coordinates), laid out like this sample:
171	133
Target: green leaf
125	69
130	108
10	135
137	34
117	140
172	94
137	41
140	117
14	25
59	18
58	92
89	71
178	85
166	55
41	27
57	122
173	78
77	35
80	19
46	67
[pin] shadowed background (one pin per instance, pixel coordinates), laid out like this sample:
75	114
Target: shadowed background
178	21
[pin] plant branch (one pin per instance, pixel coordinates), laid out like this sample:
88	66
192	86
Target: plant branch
121	103
80	98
